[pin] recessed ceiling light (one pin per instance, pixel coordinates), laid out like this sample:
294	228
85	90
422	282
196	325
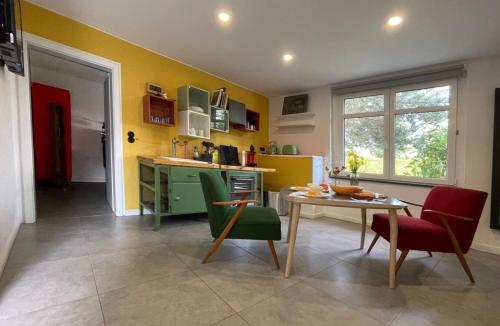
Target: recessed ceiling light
395	20
224	16
287	57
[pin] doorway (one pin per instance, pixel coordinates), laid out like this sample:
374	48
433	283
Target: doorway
70	117
105	179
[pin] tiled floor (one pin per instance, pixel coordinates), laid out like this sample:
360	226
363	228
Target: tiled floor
76	268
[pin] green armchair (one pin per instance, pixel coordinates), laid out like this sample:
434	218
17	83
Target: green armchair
234	219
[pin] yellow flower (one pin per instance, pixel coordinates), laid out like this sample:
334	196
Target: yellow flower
355	161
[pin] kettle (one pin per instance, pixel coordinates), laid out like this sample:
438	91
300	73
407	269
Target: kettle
273	148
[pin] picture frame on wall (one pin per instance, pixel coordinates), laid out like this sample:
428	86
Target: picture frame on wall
295	104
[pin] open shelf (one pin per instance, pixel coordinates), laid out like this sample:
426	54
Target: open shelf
252	123
158	110
296	120
192	123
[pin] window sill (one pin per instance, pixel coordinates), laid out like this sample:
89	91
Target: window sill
395	182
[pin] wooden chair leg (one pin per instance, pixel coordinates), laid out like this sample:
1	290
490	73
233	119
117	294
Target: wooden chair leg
458	249
273	251
373	243
464	264
224	233
401	259
430	253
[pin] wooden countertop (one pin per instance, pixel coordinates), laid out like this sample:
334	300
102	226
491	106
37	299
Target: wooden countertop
163	160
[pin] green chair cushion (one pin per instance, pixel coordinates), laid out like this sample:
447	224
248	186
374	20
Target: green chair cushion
256	223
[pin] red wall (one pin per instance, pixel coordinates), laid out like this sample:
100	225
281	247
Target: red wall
42	96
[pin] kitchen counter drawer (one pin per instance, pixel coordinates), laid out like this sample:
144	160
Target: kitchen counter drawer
181	174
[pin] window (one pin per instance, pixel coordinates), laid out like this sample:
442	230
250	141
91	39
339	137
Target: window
405	133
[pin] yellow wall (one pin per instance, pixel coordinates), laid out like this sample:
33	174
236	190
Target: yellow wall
290	171
138	67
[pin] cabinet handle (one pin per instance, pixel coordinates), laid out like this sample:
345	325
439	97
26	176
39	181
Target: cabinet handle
192	175
177	198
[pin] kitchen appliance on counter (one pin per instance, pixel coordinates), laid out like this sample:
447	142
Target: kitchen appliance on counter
207	154
251	157
290	150
228	155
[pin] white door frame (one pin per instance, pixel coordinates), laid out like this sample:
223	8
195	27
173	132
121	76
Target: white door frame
25	122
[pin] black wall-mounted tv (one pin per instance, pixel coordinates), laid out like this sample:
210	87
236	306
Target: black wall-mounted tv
10	51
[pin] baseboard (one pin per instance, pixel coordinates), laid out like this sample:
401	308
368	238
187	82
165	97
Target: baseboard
486	248
5	250
311	215
345	218
132	212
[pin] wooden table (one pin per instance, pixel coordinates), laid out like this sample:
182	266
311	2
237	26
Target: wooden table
391	204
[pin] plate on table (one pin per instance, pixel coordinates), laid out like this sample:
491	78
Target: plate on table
322	195
299	188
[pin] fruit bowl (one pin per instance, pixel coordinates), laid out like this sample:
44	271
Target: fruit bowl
346	190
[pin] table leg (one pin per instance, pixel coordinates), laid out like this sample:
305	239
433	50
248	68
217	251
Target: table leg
363	228
293	235
290	213
393	223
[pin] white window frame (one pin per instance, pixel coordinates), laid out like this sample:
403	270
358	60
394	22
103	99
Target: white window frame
338	120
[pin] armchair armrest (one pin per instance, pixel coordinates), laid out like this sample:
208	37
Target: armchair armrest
234	202
241	192
410	203
443	214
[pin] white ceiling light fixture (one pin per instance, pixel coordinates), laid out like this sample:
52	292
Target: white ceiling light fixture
224	17
395	21
287	57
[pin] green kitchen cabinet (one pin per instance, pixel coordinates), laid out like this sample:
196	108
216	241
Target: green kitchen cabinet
176	190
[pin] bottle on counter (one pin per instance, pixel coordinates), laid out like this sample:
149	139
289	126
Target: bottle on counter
243	158
196	153
215	155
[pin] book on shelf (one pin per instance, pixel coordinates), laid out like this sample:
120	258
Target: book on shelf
219	98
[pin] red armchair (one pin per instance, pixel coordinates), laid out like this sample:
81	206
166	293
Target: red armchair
447	223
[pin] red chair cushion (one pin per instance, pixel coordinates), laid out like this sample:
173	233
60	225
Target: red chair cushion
414	233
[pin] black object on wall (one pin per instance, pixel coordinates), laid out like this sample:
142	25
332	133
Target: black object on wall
295	104
237	112
11	53
495	180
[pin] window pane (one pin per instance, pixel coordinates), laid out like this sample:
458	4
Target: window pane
365	137
420	98
364	104
421	144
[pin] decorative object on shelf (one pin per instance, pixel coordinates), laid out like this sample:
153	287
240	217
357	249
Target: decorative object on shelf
273	148
155	90
158	110
295	104
354	162
290	150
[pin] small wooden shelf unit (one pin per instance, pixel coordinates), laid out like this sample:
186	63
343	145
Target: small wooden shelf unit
158	110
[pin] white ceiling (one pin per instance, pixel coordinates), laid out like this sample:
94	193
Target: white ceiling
51	62
332	40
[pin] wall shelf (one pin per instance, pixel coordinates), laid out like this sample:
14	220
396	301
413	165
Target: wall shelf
296	120
192	123
158	110
252	119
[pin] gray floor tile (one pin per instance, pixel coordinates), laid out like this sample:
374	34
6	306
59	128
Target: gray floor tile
44	285
82	312
133	266
178	299
304	305
244	281
113	239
